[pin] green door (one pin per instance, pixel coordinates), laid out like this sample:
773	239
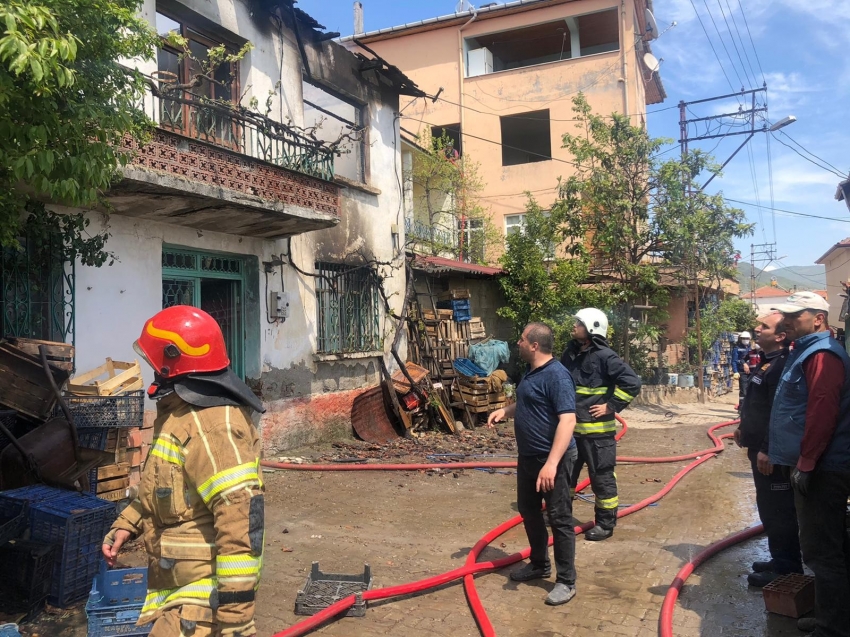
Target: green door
215	283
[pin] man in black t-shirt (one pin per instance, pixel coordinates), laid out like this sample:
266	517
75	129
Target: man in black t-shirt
774	497
544	419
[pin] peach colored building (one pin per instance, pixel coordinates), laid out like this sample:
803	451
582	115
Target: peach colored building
836	262
506	74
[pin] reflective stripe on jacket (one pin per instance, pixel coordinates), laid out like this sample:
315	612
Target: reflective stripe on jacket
601	378
200	512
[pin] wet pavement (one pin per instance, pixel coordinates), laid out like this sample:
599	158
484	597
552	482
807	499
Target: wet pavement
412	525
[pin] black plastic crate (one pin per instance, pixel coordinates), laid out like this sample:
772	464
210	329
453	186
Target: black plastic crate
127	410
324	589
9	418
93	437
14	525
27	569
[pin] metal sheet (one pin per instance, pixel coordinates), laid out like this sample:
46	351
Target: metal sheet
370	419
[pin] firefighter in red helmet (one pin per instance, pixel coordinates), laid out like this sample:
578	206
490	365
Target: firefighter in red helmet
200	505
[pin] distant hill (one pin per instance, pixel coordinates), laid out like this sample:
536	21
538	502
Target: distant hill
805	277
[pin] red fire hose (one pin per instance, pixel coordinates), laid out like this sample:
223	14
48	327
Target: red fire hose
471	567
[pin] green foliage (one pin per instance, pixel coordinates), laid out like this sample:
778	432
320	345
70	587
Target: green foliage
738	314
541	283
65	103
730	315
48	232
449	191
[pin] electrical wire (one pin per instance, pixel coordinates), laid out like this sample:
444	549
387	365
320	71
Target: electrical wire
741	39
821	159
752	42
770	184
756	192
723	42
711	44
812	161
790	212
735	44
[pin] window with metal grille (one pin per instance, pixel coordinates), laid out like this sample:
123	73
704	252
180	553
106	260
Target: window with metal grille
348	309
37	291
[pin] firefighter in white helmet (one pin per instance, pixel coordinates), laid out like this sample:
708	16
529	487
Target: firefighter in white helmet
605	385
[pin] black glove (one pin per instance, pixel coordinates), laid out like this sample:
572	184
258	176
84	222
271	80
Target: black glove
800	481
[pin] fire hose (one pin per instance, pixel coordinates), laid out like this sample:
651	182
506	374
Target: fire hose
472	566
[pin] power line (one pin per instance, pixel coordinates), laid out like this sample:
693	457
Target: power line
723	42
711	44
810	152
770	183
756	192
790	212
812	161
735	44
752	42
743	47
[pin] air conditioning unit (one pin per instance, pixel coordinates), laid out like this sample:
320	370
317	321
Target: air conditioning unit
479	62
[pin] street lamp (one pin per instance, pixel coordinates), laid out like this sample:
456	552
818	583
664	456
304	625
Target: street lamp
782	123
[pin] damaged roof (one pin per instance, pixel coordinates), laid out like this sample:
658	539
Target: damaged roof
441	265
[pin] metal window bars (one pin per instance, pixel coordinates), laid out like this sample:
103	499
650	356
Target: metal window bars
348	309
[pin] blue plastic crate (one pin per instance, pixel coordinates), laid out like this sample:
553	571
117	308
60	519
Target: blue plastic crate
115	602
77	523
93	437
462	316
456	305
12	501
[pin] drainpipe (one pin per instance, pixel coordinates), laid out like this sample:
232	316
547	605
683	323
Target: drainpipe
461	74
625	66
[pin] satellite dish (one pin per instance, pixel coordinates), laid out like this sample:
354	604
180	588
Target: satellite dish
651	25
651	62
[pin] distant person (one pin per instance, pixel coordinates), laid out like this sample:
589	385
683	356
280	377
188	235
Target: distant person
740	362
774	497
544	418
605	385
810	438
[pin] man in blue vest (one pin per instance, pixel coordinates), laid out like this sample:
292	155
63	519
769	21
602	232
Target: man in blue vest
810	437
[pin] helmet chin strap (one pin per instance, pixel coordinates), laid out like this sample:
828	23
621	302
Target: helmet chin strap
160	388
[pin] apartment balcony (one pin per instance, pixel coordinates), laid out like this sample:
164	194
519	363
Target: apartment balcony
416	231
210	168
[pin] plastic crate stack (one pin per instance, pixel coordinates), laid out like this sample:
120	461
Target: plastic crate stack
74	524
115	602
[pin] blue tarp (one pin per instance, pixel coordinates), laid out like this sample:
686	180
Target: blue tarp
489	355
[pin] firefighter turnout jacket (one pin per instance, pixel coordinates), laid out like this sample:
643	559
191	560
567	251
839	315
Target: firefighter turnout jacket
601	378
200	512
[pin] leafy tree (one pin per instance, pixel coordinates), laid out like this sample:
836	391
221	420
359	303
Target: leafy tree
738	314
65	103
730	315
447	195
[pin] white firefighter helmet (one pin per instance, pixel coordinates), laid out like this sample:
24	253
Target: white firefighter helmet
745	336
594	321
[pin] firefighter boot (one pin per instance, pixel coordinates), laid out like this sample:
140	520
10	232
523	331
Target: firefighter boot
597	534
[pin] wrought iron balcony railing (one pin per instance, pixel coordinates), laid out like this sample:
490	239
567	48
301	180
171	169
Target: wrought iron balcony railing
241	131
423	232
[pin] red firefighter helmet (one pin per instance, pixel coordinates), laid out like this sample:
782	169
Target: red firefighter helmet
182	340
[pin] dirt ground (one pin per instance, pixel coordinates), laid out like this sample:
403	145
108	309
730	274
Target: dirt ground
411	525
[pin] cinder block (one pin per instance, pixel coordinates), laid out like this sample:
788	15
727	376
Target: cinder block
790	595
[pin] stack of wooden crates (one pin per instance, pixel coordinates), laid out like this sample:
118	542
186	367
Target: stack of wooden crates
125	447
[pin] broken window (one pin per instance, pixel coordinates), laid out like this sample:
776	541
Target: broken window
451	132
526	138
336	119
565	39
348	309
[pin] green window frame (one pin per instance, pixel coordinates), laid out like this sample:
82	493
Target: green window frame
197	278
37	291
348	308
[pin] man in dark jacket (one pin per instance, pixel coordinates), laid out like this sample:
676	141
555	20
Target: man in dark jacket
605	385
810	438
774	497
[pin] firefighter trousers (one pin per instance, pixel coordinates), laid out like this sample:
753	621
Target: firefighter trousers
171	625
599	453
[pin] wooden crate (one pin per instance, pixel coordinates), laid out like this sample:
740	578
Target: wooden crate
111	471
429	315
445	315
59	355
105	486
417	373
114	496
452	295
110	379
24	387
481	385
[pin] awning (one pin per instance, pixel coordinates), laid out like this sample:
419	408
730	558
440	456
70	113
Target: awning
441	265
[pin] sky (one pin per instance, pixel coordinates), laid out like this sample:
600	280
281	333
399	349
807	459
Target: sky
799	49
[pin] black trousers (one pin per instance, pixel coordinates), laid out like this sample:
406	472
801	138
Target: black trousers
775	502
826	549
599	453
559	508
743	384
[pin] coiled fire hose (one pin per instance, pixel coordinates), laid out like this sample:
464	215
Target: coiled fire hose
472	566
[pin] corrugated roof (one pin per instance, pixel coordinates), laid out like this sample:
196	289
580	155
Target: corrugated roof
441	265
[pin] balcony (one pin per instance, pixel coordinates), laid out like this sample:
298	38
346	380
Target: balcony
418	232
210	167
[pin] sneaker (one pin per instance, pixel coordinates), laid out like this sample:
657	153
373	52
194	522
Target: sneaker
561	594
761	567
530	572
807	624
762	579
597	534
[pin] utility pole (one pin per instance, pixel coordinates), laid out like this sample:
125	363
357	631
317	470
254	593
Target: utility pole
684	138
767	252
